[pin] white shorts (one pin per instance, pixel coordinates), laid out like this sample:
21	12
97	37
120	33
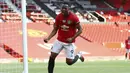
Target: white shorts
127	50
69	48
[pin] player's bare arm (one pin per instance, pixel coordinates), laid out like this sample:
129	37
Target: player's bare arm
53	33
77	33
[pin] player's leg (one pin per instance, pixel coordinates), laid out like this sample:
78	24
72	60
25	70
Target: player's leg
56	49
126	53
71	61
71	58
51	62
129	54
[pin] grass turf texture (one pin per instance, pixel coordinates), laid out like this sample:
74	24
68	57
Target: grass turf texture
86	67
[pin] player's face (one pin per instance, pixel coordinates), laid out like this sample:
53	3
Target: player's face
65	11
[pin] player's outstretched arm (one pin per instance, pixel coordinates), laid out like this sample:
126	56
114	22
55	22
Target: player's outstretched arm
53	33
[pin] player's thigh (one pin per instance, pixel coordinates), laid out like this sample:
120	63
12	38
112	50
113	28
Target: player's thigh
57	47
69	51
53	55
127	50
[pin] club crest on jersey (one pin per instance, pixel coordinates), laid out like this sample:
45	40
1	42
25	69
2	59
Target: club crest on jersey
69	22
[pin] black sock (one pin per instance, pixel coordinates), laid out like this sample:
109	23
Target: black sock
126	55
51	65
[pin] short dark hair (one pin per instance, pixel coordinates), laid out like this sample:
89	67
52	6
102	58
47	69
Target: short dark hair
64	6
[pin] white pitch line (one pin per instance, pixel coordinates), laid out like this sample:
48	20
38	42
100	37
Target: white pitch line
45	46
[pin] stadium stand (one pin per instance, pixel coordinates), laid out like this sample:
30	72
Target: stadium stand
105	32
5	16
34	12
118	4
115	16
100	4
113	29
13	16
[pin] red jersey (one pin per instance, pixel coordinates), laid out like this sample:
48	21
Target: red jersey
127	44
66	26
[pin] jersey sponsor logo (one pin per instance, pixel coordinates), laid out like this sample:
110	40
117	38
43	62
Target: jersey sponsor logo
64	28
63	21
35	33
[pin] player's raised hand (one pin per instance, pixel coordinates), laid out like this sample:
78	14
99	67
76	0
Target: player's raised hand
46	40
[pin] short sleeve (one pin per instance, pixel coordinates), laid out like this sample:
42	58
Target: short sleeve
76	20
125	41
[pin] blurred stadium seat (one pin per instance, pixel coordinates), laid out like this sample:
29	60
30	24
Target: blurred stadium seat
90	13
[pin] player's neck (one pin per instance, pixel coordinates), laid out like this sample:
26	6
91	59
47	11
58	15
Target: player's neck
67	15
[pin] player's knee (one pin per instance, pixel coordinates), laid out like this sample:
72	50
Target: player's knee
52	58
53	55
69	63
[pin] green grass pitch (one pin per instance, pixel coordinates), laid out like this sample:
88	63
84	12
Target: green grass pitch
86	67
